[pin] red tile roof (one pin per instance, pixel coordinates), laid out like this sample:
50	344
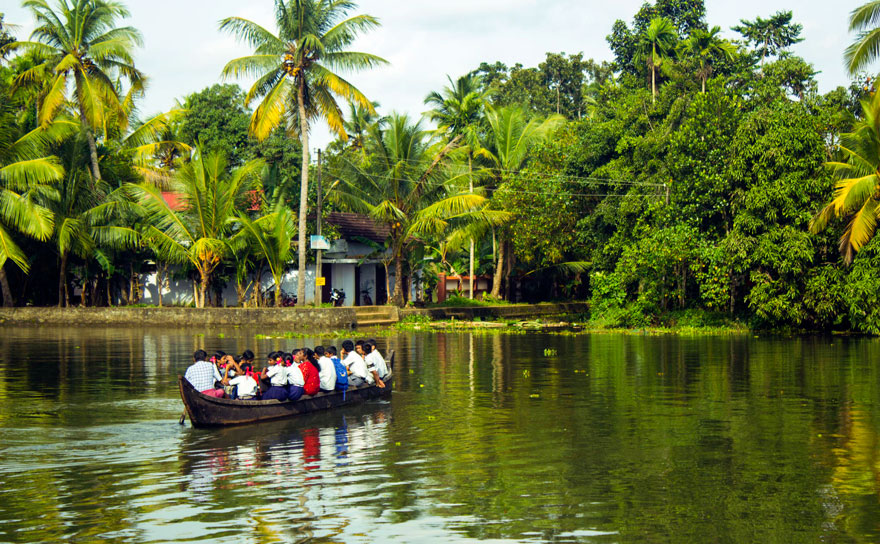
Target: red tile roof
175	200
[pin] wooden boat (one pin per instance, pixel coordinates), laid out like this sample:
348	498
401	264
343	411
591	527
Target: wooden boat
207	411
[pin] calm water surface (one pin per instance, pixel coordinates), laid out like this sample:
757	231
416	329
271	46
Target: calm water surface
603	438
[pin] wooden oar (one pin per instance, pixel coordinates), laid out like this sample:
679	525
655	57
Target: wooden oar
182	418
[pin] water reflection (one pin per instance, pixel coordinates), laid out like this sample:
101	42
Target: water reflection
602	438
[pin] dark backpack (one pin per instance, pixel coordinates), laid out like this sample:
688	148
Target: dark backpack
341	374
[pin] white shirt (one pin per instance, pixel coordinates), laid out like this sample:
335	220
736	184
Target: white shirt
247	386
277	375
327	373
295	376
357	367
375	359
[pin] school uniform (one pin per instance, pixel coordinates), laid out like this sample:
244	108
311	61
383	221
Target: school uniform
357	370
295	382
326	374
277	375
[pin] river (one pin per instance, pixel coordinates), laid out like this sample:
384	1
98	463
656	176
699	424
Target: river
493	438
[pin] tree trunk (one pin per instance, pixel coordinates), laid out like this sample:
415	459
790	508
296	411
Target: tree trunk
62	282
85	287
704	84
499	272
278	292
387	282
160	280
203	289
90	135
471	259
653	84
397	298
303	198
8	301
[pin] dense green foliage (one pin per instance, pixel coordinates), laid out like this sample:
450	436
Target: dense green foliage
683	177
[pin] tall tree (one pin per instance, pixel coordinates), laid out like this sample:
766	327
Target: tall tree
409	183
655	46
858	186
864	20
770	36
510	138
704	46
458	111
297	67
87	54
197	231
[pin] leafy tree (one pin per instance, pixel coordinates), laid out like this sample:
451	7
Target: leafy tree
703	46
296	66
270	236
655	47
217	119
6	37
770	36
210	198
84	51
858	184
865	50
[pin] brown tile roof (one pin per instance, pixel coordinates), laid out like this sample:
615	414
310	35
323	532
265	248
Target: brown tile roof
355	224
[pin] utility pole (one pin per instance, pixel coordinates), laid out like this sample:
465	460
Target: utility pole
318	264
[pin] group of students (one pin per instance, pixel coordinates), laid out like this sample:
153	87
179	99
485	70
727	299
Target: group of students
288	375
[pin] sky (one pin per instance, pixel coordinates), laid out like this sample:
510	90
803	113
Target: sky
426	41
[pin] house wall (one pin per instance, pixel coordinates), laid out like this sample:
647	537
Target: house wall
342	277
368	282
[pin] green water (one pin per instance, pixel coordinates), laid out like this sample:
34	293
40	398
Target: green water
604	438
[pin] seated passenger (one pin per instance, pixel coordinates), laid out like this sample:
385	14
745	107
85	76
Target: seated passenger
371	364
341	371
204	375
355	365
326	370
245	385
276	372
380	362
295	379
308	367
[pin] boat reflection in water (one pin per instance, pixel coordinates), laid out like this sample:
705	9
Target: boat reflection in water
282	476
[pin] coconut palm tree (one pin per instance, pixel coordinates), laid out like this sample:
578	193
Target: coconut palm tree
705	45
510	138
410	183
197	231
86	55
296	78
865	20
858	182
28	176
270	236
655	46
459	113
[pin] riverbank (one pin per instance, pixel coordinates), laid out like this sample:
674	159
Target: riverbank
286	319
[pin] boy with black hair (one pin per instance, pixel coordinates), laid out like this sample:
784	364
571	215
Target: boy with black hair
203	375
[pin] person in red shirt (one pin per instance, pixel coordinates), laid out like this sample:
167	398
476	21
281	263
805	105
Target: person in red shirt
309	370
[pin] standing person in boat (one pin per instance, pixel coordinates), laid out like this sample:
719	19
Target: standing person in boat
375	362
308	365
203	375
357	369
276	373
326	370
295	380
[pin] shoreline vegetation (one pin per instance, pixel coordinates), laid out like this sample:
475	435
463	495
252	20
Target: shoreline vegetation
693	182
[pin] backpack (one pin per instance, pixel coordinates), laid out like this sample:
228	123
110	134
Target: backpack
341	374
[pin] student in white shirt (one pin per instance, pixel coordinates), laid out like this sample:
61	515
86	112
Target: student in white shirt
295	379
326	370
375	361
357	368
276	372
245	386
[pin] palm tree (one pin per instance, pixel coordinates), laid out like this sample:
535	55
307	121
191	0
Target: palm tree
704	46
409	183
770	36
866	48
86	54
458	112
857	191
28	175
270	235
359	119
510	138
296	68
654	45
198	231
